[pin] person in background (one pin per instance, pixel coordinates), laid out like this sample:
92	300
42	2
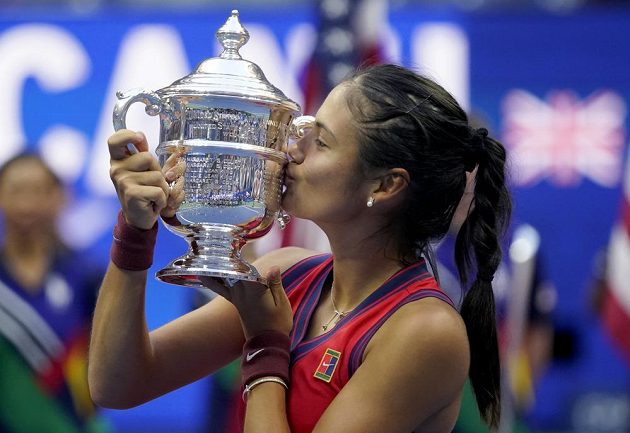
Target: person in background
525	300
361	340
47	295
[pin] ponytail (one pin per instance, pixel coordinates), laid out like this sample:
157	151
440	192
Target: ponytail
479	238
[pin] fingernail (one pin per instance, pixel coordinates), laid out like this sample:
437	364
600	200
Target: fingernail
170	175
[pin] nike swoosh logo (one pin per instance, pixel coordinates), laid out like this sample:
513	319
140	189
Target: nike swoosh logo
251	355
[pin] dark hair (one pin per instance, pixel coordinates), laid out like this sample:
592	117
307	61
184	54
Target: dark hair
32	156
408	121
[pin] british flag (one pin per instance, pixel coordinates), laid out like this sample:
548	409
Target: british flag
563	138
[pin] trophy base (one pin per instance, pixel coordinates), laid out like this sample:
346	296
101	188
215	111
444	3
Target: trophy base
213	252
190	271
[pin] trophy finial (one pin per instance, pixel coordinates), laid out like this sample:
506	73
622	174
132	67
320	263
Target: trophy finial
232	35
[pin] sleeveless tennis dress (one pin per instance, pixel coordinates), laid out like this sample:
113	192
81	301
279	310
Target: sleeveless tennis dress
321	366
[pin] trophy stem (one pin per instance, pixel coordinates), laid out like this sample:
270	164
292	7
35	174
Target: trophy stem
214	250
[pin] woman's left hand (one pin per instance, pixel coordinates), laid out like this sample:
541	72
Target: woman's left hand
261	307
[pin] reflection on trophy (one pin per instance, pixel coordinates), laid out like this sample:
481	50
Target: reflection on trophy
224	130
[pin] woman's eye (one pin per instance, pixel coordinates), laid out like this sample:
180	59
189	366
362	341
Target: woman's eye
320	143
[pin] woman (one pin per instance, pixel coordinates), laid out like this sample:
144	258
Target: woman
47	296
365	336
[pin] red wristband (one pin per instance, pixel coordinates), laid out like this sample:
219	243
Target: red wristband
132	248
266	354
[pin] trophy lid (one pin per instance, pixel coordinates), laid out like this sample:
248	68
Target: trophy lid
229	74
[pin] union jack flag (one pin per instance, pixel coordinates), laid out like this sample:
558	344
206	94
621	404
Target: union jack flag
564	138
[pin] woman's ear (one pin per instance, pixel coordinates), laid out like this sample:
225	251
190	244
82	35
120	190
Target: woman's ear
392	185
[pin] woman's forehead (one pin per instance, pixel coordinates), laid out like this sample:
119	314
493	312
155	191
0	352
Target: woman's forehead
334	112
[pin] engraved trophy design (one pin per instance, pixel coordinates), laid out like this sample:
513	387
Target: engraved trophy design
227	128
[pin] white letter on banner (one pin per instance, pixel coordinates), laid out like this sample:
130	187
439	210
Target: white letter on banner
151	57
50	55
441	49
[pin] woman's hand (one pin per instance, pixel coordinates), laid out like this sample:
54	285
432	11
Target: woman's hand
142	189
261	307
173	169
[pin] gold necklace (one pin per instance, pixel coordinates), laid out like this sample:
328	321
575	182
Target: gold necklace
338	314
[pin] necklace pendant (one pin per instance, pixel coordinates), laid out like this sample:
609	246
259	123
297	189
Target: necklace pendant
333	320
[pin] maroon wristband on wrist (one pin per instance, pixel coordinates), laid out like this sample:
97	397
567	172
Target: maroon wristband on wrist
266	354
132	248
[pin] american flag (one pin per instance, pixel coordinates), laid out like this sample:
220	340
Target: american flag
348	35
563	138
616	299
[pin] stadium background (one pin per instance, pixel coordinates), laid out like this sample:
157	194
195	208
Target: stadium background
552	83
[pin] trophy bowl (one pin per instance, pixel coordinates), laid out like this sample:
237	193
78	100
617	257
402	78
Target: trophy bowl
224	130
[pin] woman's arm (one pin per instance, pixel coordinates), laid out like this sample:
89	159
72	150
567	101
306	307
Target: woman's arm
265	309
126	365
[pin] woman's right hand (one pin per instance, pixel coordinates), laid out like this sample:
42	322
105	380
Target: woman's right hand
140	184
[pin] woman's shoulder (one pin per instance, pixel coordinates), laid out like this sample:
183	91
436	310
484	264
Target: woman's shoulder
284	258
423	346
425	324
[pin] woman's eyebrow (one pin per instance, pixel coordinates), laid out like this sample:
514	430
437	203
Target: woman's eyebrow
325	128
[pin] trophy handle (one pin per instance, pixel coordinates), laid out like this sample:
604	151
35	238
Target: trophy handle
297	130
300	125
153	102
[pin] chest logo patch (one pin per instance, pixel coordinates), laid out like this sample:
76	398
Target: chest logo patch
327	365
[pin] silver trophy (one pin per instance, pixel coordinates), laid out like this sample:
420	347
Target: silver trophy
226	129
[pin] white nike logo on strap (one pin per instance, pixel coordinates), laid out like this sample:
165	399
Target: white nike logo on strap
251	355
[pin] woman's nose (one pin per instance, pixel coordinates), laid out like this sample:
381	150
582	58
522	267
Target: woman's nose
294	152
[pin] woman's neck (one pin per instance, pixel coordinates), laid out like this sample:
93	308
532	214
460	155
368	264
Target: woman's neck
362	263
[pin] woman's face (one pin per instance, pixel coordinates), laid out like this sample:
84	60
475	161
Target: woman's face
30	199
323	180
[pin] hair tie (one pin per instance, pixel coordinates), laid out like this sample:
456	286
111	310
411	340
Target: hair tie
476	152
485	277
480	139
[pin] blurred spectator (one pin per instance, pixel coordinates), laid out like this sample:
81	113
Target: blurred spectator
47	295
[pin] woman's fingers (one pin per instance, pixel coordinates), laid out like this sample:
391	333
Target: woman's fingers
174	165
126	180
141	187
175	198
120	139
173	169
216	285
274	282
